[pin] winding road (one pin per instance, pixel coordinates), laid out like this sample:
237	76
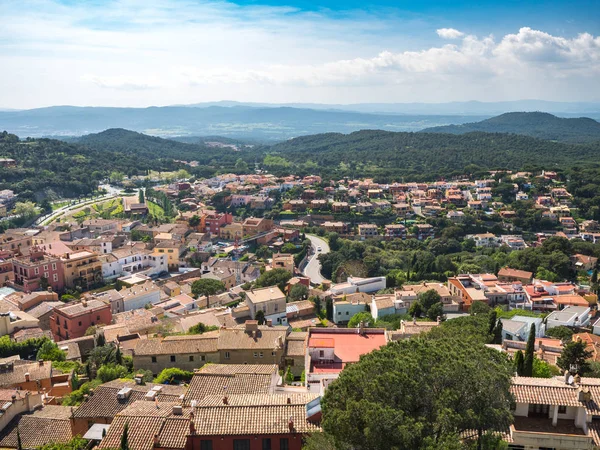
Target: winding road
313	268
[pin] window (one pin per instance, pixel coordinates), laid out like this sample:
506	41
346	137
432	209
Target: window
202	358
273	354
562	409
284	444
53	266
55	277
36	270
191	358
153	359
173	358
266	444
227	355
45	266
46	275
347	313
256	354
241	444
206	445
79	323
98	318
321	354
260	355
339	313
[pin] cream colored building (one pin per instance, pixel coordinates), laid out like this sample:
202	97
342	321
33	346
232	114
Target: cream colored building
186	352
252	344
270	300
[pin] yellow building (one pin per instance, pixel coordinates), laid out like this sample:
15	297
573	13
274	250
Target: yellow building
82	269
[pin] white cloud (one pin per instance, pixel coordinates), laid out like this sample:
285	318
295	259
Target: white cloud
157	52
449	33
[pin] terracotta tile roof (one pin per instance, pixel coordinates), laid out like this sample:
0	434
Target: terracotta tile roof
140	435
547	391
215	379
251	420
50	424
203	343
104	402
257	399
267	338
34	369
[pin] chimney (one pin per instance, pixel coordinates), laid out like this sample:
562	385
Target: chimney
192	426
577	379
291	424
84	303
289	401
155	440
27	377
41	362
225	400
566	376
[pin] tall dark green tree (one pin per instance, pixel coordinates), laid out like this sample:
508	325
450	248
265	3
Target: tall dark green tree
19	444
529	353
260	317
124	437
119	356
207	287
141	198
498	333
519	363
493	317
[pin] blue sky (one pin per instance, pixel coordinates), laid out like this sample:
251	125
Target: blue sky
160	52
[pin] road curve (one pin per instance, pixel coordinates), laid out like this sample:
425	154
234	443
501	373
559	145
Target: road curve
313	268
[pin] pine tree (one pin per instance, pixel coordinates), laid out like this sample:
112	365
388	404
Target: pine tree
100	340
519	363
529	349
124	440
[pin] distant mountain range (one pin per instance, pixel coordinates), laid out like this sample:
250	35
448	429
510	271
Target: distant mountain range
241	122
265	122
535	124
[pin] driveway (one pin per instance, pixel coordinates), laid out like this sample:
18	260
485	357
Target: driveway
313	268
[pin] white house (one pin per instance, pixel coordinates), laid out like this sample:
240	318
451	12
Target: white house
355	284
517	328
138	296
571	316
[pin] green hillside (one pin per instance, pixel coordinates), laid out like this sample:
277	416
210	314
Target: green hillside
535	124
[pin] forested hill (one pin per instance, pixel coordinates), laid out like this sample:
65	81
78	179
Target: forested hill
535	124
125	141
421	156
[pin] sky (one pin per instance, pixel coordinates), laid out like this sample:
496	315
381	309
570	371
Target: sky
163	52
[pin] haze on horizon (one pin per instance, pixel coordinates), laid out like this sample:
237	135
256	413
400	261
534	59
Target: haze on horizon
165	52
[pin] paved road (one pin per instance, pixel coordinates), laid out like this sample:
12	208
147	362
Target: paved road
313	268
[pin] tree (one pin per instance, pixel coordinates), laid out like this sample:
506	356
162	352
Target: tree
498	333
263	252
119	356
289	376
299	292
109	372
241	166
100	340
478	307
429	298
116	177
416	309
124	440
492	318
421	393
173	375
141	198
19	444
436	311
329	308
27	210
200	328
364	317
575	354
273	277
207	287
561	332
194	221
541	369
49	351
519	363
529	349
318	306
260	317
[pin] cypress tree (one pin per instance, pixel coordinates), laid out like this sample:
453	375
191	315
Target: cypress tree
492	319
528	364
124	440
141	198
519	363
498	333
19	445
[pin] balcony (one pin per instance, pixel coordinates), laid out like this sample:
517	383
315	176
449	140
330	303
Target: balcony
534	432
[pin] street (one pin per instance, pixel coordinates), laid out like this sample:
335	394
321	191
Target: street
313	268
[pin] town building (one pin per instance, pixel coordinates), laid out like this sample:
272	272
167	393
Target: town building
270	300
73	319
252	343
38	270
